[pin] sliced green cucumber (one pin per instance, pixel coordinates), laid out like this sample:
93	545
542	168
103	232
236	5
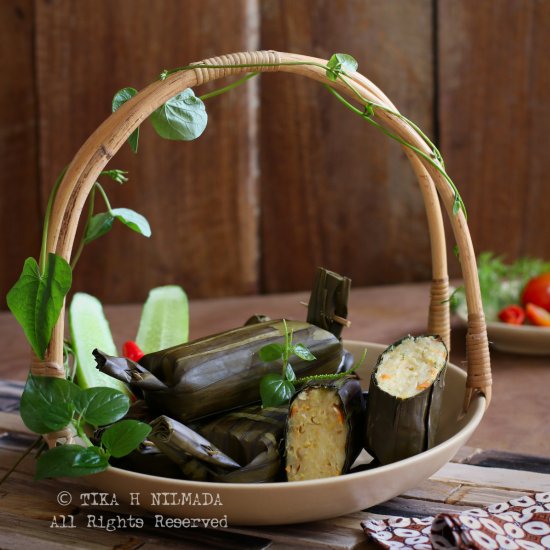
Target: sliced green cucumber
89	330
164	320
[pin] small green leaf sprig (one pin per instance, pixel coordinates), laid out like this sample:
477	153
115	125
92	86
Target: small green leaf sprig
277	389
97	225
50	404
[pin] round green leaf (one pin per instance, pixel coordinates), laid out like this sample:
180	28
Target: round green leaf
123	437
181	118
340	62
275	391
271	352
122	96
133	220
101	406
70	460
47	403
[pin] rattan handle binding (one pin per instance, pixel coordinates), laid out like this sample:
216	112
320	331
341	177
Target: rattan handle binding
102	145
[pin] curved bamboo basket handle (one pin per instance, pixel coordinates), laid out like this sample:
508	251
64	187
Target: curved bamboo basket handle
113	132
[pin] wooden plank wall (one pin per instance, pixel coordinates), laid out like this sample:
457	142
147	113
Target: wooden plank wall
19	189
347	192
494	112
284	179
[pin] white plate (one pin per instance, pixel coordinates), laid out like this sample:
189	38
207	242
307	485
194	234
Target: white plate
524	339
283	503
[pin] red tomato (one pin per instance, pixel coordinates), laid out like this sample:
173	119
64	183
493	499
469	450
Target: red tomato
537	291
131	350
538	315
512	314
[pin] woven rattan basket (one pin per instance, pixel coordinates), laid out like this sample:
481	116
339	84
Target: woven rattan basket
470	394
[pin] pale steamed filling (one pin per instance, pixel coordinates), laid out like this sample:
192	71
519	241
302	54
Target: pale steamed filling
316	436
411	367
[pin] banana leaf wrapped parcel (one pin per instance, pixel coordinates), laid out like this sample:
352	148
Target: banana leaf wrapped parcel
241	446
251	436
405	396
220	372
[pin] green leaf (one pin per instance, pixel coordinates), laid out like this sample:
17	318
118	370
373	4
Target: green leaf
100	406
456	251
124	436
70	460
117	175
303	353
275	391
47	403
98	226
289	373
121	97
133	220
36	299
271	352
340	62
181	118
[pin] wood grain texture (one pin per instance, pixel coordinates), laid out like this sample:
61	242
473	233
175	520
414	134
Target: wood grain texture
19	178
27	509
198	196
495	119
334	191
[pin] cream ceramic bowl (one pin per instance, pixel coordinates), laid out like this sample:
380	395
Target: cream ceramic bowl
284	503
524	339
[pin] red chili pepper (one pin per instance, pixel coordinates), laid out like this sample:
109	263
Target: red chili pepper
514	315
131	350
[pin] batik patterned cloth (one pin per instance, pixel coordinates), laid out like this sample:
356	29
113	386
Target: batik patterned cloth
522	523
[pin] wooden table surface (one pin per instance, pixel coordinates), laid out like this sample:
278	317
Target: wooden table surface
516	421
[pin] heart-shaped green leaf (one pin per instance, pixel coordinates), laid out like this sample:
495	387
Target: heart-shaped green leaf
36	299
70	460
340	62
181	118
47	403
122	96
101	406
133	220
275	391
271	352
98	226
123	437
